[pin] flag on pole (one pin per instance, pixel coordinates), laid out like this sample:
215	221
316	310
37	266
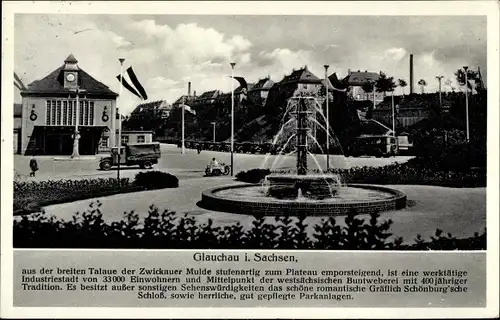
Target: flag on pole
135	87
189	109
242	82
18	83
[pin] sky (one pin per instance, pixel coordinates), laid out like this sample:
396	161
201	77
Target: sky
168	51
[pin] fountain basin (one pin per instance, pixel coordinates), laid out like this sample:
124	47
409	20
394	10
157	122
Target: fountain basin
319	187
251	200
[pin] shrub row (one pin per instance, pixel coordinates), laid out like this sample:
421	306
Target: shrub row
166	230
411	172
32	195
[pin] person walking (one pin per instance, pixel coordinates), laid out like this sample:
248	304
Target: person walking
33	166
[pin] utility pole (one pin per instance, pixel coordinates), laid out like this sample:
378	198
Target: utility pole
232	116
467	102
119	143
439	78
327	120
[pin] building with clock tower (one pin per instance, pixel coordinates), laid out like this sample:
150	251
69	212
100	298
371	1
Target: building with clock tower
50	113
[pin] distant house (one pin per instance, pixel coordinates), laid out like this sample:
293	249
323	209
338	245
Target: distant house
207	98
355	81
299	81
259	92
157	109
185	99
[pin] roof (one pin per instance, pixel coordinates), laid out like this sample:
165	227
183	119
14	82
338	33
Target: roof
54	83
358	78
263	84
187	99
71	59
18	110
208	95
160	104
301	76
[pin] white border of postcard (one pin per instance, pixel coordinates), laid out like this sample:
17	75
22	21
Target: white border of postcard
485	8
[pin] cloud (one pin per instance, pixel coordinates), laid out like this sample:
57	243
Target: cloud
395	53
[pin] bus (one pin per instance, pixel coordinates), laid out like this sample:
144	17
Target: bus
378	146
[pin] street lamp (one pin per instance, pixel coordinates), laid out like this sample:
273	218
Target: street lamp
119	143
213	132
440	101
393	116
232	116
467	102
76	137
327	120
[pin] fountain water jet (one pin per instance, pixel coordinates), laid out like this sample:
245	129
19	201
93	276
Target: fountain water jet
301	192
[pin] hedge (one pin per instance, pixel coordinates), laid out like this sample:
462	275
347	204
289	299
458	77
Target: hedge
31	196
166	230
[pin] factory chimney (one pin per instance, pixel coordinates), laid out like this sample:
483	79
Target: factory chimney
411	73
189	89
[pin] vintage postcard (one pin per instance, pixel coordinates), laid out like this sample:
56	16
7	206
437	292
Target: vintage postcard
250	159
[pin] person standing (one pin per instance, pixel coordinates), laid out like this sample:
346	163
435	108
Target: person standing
33	166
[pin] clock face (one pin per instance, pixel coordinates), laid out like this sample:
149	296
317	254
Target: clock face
70	77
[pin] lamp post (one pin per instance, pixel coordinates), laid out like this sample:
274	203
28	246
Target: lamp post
119	142
232	116
327	120
393	116
467	102
213	132
439	78
76	137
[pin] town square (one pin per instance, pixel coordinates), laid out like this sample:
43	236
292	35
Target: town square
174	132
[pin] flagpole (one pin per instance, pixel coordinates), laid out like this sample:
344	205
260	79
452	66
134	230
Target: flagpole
327	120
119	142
183	148
232	116
467	102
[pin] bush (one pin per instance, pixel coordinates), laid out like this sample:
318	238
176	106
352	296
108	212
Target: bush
253	175
167	230
32	195
156	180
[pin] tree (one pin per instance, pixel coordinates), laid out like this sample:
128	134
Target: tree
385	83
472	76
367	88
422	83
402	83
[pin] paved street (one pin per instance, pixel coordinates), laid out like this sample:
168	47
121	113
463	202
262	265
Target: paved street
190	164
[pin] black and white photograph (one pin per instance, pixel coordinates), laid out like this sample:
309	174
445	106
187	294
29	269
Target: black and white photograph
275	136
226	137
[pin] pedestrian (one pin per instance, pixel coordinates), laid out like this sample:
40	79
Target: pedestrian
33	166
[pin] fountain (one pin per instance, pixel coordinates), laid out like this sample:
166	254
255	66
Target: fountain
301	192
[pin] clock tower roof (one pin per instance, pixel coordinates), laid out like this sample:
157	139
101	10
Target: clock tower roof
71	59
54	83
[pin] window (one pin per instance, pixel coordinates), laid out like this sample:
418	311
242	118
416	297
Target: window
63	113
141	139
105	142
124	139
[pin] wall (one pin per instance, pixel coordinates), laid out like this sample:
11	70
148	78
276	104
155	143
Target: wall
38	104
404	118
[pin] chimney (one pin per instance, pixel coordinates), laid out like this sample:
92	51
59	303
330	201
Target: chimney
189	89
349	72
194	93
411	73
